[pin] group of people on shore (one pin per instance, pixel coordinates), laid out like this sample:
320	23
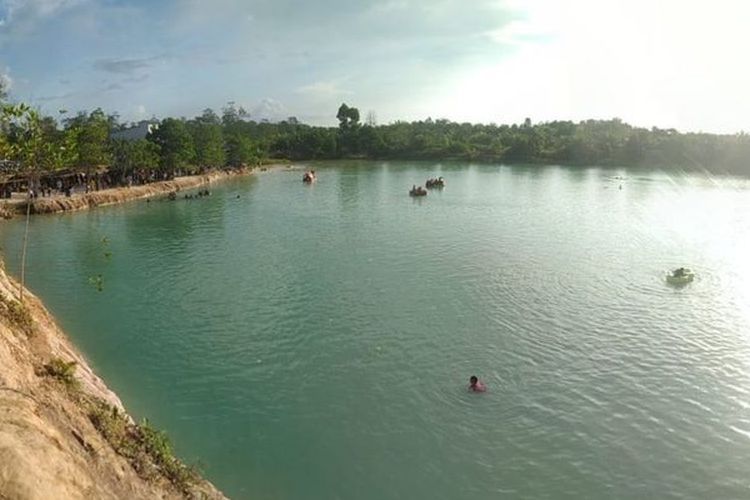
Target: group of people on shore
37	189
68	184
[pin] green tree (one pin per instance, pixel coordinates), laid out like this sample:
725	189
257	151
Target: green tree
348	117
89	136
31	153
232	115
28	142
208	138
176	149
241	151
209	116
128	156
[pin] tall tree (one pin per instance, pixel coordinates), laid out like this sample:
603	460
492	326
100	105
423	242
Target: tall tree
241	151
209	116
176	149
348	117
88	136
128	156
233	114
208	138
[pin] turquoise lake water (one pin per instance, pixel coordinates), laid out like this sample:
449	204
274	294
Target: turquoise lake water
314	342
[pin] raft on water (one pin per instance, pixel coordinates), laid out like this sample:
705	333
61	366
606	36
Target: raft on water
680	276
435	183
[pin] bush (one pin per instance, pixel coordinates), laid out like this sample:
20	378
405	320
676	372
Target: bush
157	445
64	371
17	314
148	450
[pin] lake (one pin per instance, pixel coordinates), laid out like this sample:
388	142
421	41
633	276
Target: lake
315	342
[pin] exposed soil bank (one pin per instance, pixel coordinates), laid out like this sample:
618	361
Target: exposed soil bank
50	446
85	201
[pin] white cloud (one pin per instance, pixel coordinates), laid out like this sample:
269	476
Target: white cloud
665	63
268	109
668	63
517	32
323	90
30	9
6	82
23	17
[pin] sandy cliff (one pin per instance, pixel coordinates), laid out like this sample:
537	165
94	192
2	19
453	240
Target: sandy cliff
63	433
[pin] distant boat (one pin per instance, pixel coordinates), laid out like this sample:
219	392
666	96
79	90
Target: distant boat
435	183
417	191
309	177
681	276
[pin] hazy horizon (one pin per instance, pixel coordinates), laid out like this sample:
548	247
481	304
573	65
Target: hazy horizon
666	65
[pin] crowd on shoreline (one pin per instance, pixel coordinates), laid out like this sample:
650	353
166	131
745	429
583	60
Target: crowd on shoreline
72	183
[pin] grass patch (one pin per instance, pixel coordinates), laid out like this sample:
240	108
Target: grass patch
148	450
17	314
64	371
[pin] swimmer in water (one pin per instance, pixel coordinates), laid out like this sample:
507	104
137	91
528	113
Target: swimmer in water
475	385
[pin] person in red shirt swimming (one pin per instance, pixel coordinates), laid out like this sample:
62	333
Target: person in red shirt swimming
475	385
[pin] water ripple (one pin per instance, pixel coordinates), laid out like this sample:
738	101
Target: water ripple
316	341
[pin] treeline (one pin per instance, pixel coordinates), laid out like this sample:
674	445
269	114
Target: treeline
30	141
590	142
87	141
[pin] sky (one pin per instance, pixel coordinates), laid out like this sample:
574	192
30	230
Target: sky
668	63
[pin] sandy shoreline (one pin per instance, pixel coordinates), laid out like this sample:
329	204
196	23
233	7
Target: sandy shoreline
59	203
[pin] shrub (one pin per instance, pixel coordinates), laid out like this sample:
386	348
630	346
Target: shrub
17	314
64	371
148	450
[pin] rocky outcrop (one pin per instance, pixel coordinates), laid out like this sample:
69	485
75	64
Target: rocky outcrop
53	443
